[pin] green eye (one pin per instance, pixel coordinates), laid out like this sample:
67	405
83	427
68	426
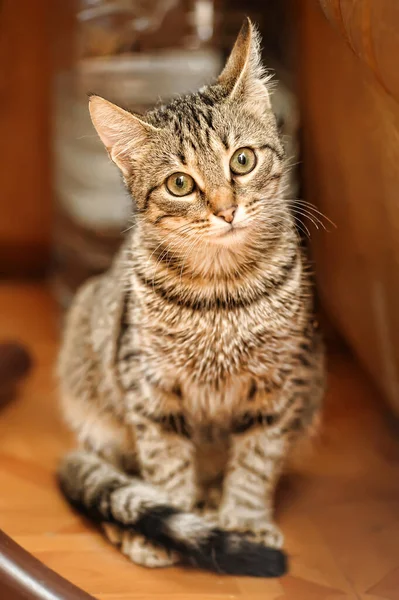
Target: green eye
180	184
243	161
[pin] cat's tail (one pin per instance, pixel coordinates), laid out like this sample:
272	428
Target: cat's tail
107	495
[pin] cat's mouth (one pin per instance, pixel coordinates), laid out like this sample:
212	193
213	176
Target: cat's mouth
230	233
234	228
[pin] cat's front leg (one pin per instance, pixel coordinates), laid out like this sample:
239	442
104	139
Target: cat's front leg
167	458
257	454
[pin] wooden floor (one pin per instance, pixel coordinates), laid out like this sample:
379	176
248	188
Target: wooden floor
339	511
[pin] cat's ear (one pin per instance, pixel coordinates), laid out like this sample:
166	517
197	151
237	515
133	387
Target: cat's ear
122	133
244	76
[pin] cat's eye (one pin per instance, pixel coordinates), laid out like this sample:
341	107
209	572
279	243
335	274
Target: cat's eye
180	184
243	161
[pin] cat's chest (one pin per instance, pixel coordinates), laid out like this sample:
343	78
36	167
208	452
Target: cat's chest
212	364
213	407
211	360
207	351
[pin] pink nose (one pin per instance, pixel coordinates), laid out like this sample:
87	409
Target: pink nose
227	214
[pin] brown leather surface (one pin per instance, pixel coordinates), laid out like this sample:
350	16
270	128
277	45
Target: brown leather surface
371	28
23	577
351	167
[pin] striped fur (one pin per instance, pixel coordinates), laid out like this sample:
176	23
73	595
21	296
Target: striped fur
190	370
107	495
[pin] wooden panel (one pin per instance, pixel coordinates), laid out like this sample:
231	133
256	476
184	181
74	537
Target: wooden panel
351	147
25	198
371	30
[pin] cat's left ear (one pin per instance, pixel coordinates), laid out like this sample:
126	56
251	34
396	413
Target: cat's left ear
244	77
122	133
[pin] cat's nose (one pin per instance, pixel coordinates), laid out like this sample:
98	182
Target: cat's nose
222	204
227	214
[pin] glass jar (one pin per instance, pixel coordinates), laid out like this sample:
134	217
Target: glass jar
133	53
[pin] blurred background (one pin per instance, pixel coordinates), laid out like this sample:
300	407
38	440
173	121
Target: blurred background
63	208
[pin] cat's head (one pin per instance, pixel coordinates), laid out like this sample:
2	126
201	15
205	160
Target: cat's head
208	166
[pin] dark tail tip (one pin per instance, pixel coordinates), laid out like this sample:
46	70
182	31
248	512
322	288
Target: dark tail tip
219	551
253	560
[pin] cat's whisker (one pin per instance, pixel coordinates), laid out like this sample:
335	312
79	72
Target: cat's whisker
164	253
183	258
130	226
298	224
166	235
307	215
311	207
176	244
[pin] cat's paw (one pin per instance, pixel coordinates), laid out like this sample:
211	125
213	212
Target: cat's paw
267	534
144	553
139	549
260	531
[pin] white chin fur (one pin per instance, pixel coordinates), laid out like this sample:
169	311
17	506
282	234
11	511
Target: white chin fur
228	237
223	234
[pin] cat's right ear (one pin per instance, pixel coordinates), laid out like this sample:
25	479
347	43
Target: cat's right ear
244	77
122	133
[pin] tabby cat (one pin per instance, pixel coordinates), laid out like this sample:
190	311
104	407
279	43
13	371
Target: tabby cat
190	369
